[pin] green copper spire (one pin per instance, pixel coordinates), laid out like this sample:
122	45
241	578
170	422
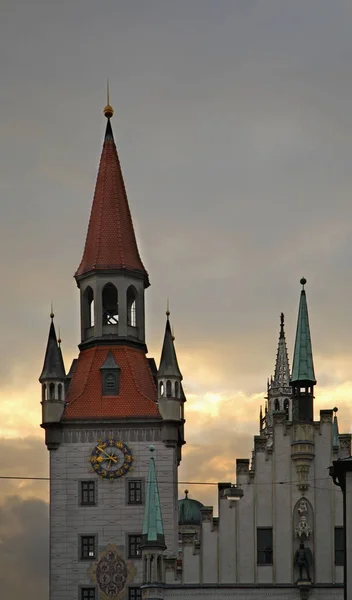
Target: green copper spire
303	368
153	530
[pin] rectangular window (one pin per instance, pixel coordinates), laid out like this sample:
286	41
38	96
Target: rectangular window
339	547
264	546
88	593
87	547
87	493
134	593
134	543
135	491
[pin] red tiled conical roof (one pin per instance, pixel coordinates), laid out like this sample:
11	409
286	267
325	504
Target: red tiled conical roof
137	392
111	241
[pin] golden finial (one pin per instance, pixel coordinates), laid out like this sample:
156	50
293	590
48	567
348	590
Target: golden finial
108	110
168	308
59	338
52	311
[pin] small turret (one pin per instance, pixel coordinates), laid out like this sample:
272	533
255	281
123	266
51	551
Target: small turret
153	538
303	377
52	379
169	377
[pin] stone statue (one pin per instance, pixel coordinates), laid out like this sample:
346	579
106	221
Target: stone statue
303	560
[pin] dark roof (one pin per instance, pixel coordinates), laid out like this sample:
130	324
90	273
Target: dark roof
168	361
53	367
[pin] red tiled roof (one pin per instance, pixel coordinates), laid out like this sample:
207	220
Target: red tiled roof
111	241
137	396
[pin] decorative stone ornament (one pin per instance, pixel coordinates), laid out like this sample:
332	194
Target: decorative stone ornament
303	529
111	573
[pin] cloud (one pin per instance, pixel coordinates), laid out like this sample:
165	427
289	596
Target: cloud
24	548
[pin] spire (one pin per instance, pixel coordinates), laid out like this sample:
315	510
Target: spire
168	362
53	367
282	368
303	368
111	241
153	530
335	432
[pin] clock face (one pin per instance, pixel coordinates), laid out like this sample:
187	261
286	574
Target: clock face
111	459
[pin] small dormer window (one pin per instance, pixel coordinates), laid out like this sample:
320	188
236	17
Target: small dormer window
110	373
110	387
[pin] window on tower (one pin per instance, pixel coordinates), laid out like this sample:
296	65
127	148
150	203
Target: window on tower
135	491
134	546
287	408
88	307
131	306
339	547
134	593
264	546
110	305
88	593
276	404
87	493
51	391
176	389
88	551
168	388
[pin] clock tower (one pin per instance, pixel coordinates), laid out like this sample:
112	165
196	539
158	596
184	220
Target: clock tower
101	418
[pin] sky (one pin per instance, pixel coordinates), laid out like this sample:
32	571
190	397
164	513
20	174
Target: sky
233	123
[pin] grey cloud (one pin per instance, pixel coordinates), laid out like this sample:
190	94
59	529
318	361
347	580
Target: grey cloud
24	548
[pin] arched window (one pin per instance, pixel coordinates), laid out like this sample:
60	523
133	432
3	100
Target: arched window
110	305
287	408
52	391
277	405
59	391
168	388
89	306
176	389
43	392
159	569
131	306
161	389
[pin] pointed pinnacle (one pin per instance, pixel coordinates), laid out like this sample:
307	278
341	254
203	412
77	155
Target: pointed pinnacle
108	110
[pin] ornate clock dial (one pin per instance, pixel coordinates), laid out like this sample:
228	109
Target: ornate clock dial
111	459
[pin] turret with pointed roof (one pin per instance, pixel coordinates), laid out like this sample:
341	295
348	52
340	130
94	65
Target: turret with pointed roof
153	529
52	378
153	539
279	390
303	377
112	279
53	368
169	378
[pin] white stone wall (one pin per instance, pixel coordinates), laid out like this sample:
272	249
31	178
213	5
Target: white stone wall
239	593
112	519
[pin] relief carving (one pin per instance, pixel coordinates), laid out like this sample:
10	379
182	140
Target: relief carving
303	529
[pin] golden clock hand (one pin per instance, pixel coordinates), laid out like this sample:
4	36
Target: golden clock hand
110	456
107	456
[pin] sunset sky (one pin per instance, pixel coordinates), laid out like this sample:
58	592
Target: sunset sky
233	123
